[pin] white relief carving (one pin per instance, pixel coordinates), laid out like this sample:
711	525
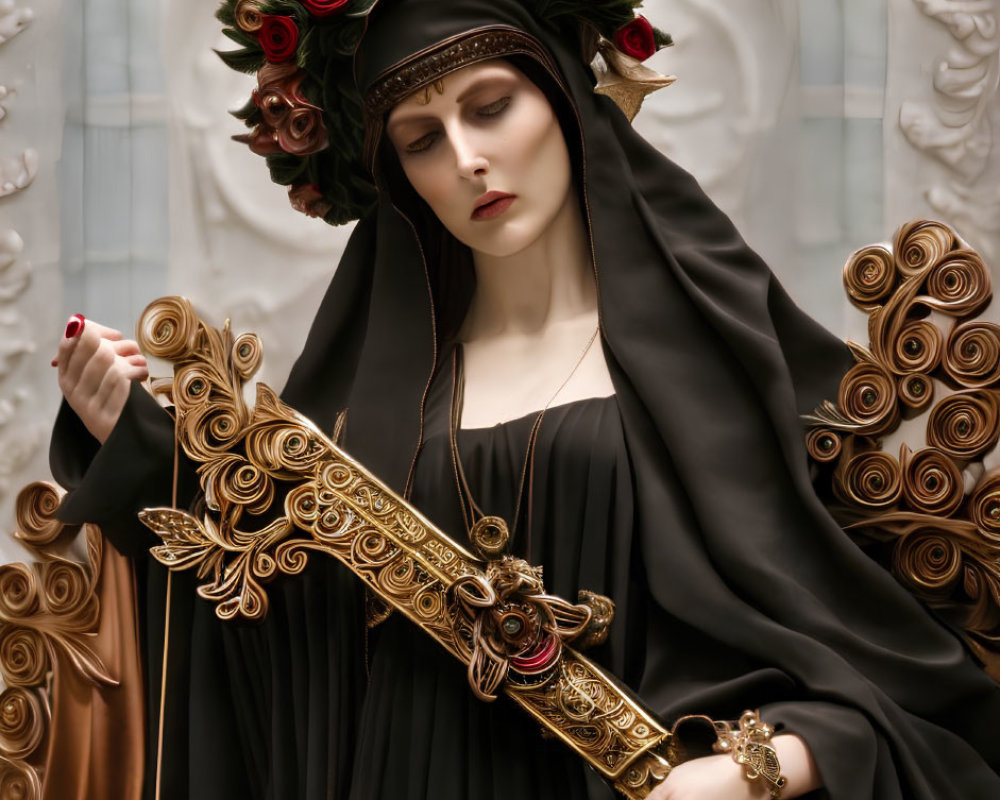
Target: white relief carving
971	210
14	276
13	20
726	106
4	94
17	172
958	127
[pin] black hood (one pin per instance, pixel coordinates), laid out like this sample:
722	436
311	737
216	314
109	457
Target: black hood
712	364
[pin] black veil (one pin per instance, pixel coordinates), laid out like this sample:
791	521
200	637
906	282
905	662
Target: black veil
756	597
712	364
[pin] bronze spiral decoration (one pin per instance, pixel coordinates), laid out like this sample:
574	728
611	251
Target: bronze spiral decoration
964	425
823	444
928	560
168	329
984	506
972	354
918	347
959	284
932	483
922	296
34	514
19	596
921	244
22	722
49	612
869	276
868	397
24	656
916	391
247	355
872	479
67	588
19	781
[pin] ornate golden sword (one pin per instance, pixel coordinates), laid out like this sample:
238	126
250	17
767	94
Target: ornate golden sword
490	612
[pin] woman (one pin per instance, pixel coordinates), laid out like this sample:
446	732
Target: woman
528	252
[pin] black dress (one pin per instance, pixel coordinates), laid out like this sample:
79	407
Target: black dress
423	733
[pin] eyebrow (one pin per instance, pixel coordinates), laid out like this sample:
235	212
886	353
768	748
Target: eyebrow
475	86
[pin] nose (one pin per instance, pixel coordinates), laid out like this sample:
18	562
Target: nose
470	159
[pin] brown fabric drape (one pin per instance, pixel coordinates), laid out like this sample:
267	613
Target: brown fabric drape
97	733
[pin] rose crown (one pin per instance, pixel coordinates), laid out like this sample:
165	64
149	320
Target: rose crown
306	114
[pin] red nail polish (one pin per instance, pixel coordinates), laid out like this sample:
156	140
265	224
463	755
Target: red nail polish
75	326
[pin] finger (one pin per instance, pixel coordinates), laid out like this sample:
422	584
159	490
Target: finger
112	398
136	372
125	347
75	354
110	390
65	347
111	334
84	380
137	360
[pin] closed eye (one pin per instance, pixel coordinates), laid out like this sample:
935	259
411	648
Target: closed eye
493	108
423	143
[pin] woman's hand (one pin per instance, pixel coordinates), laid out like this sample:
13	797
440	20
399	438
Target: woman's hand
709	778
721	778
96	367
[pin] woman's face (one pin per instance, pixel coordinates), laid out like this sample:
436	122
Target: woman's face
484	149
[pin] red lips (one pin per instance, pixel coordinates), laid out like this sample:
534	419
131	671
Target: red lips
492	205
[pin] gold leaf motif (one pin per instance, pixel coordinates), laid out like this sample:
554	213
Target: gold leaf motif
625	80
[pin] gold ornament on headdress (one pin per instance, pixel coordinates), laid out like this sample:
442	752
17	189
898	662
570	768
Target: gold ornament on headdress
624	79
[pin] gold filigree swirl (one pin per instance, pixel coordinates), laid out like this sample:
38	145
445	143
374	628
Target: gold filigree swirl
869	276
964	425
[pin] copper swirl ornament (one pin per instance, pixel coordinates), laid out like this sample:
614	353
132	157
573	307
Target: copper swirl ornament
22	722
823	444
984	506
915	391
919	245
972	354
918	347
932	483
931	365
929	560
868	397
959	284
872	479
964	425
870	275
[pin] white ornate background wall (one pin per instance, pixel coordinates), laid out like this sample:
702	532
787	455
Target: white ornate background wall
819	125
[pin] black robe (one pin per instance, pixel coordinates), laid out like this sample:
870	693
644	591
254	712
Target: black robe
712	365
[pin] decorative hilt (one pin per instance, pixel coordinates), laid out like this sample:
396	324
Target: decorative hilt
277	490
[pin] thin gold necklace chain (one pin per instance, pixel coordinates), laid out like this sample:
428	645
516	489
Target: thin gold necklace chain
468	503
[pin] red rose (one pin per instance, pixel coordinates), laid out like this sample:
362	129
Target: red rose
636	39
289	122
324	8
279	36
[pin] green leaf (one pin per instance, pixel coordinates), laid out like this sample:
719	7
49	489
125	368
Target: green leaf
246	60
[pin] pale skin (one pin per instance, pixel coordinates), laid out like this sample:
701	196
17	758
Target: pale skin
484	128
96	368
